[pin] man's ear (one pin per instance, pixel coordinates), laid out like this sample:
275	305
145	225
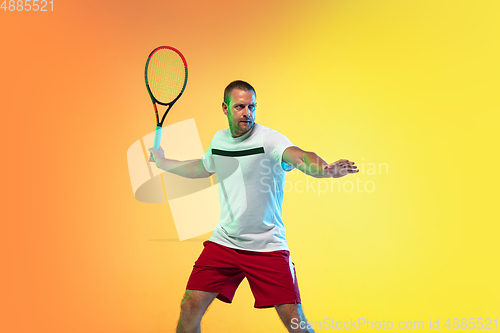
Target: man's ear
224	108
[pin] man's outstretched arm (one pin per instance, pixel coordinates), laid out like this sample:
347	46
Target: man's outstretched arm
313	165
188	169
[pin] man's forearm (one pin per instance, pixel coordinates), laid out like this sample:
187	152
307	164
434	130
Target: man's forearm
188	169
312	165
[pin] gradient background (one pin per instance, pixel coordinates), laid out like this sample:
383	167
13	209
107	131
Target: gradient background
413	84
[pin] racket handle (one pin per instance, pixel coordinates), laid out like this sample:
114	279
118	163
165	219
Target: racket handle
156	144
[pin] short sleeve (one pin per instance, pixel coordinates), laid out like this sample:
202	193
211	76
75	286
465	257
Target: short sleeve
208	160
276	143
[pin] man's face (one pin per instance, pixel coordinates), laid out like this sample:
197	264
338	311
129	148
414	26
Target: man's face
240	111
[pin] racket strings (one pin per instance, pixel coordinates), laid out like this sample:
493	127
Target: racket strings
166	75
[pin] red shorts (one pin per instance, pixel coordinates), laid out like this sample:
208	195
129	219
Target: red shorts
271	275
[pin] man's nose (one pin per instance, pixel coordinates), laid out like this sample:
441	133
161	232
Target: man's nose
246	111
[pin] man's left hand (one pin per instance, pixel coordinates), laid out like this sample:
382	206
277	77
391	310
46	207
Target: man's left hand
340	169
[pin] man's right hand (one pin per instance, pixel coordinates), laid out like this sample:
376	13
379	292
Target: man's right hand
156	155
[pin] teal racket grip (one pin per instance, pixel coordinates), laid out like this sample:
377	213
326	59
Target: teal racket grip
157	141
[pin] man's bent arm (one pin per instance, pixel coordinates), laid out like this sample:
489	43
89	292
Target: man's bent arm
188	169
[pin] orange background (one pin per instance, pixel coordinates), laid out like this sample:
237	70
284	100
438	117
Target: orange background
409	84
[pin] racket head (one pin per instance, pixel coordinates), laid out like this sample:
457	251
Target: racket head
166	75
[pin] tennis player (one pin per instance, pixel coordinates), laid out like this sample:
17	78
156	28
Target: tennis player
251	162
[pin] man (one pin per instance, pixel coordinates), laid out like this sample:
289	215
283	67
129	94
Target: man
251	162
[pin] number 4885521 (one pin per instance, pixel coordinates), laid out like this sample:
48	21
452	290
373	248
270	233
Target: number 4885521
472	323
27	5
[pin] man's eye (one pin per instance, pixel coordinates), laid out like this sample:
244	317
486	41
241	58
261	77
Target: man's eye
251	107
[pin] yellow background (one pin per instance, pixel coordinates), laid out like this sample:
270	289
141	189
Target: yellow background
408	84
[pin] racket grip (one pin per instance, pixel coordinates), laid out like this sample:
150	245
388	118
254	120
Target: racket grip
156	144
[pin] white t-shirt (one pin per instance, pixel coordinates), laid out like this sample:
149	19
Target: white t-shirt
251	175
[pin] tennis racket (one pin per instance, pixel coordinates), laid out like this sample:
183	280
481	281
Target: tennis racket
166	77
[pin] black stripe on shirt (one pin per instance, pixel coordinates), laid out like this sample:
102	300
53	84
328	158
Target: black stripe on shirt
238	153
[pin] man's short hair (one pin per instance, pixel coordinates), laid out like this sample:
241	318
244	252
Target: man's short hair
238	84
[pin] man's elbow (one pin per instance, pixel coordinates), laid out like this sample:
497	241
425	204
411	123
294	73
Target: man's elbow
200	171
202	174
